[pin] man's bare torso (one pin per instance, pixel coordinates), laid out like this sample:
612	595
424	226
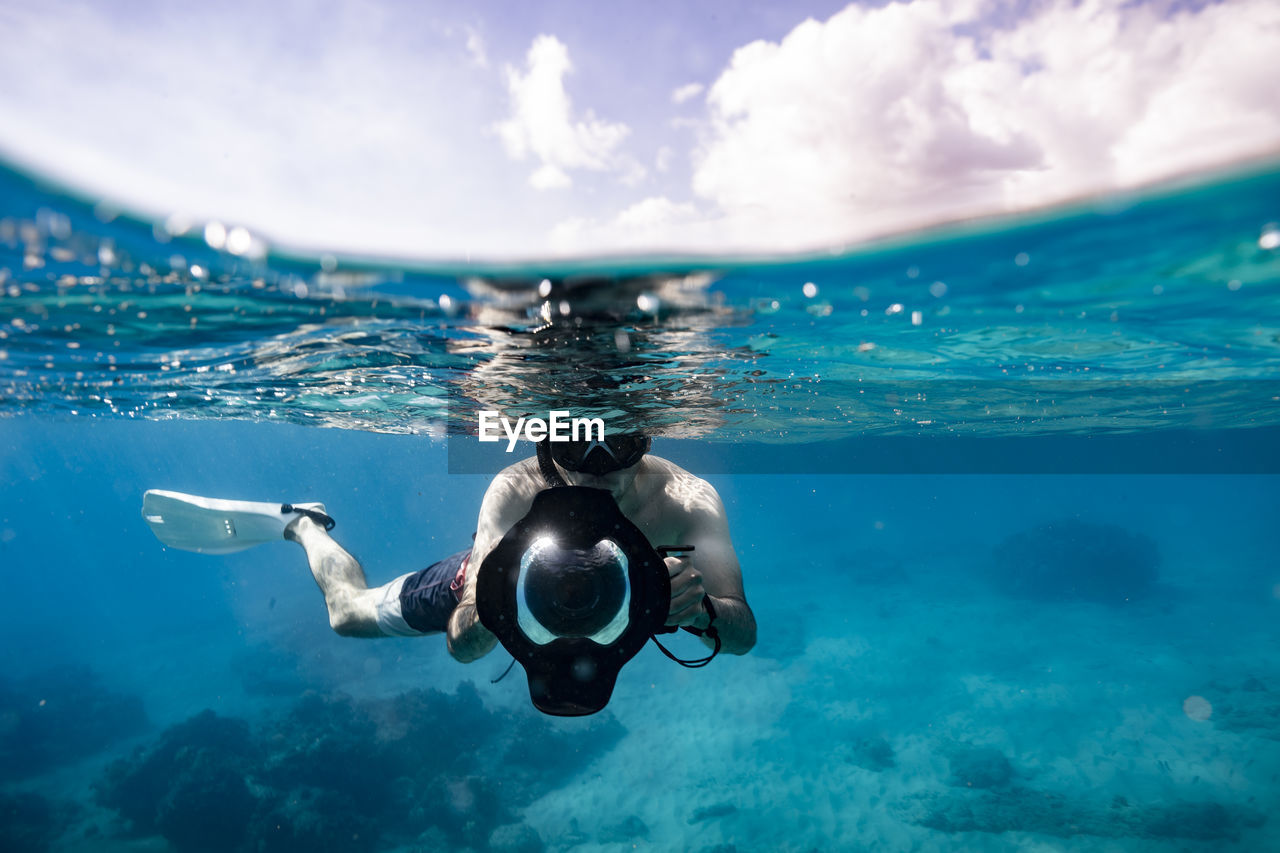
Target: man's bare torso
659	499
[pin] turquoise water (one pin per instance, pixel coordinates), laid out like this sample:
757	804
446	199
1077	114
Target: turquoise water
1108	311
1004	498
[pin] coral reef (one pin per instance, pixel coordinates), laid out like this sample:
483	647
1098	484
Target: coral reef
60	717
1249	708
312	819
207	805
28	823
872	753
978	767
1076	560
1049	813
515	838
155	788
339	774
630	830
713	811
543	756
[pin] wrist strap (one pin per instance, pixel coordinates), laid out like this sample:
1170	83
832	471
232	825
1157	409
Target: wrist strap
709	631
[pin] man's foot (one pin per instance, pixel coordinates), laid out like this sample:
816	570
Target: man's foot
313	512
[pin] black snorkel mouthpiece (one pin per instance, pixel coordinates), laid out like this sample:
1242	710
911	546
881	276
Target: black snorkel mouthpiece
573	591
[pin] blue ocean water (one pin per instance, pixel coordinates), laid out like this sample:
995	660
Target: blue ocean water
1004	498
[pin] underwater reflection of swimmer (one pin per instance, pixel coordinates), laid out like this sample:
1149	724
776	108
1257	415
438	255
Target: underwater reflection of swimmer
561	571
592	345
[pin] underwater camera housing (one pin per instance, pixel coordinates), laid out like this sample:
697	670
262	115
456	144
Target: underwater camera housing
573	591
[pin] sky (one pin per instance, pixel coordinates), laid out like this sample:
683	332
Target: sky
498	130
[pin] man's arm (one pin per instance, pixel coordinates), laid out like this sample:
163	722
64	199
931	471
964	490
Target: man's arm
503	506
712	570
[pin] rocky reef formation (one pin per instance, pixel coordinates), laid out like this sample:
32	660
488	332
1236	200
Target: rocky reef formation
1056	814
978	767
29	823
1073	560
872	753
58	717
341	774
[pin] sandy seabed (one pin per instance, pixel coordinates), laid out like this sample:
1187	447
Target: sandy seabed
905	709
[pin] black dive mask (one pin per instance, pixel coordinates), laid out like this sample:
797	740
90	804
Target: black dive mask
573	591
601	457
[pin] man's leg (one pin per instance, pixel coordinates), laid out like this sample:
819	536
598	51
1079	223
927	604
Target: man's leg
353	607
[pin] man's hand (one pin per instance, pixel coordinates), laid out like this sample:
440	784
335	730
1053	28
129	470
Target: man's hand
687	593
467	639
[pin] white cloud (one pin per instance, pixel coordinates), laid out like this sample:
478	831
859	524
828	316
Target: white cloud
475	47
649	224
664	158
655	212
542	123
362	129
687	92
373	127
549	177
885	118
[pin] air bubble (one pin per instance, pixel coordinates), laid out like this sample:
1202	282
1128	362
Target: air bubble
239	240
215	234
177	225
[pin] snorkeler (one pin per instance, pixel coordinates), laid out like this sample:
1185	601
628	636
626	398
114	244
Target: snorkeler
605	501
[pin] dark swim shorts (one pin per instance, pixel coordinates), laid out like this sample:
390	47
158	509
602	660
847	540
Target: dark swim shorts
421	602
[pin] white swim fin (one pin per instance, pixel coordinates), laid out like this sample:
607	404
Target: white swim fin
215	526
